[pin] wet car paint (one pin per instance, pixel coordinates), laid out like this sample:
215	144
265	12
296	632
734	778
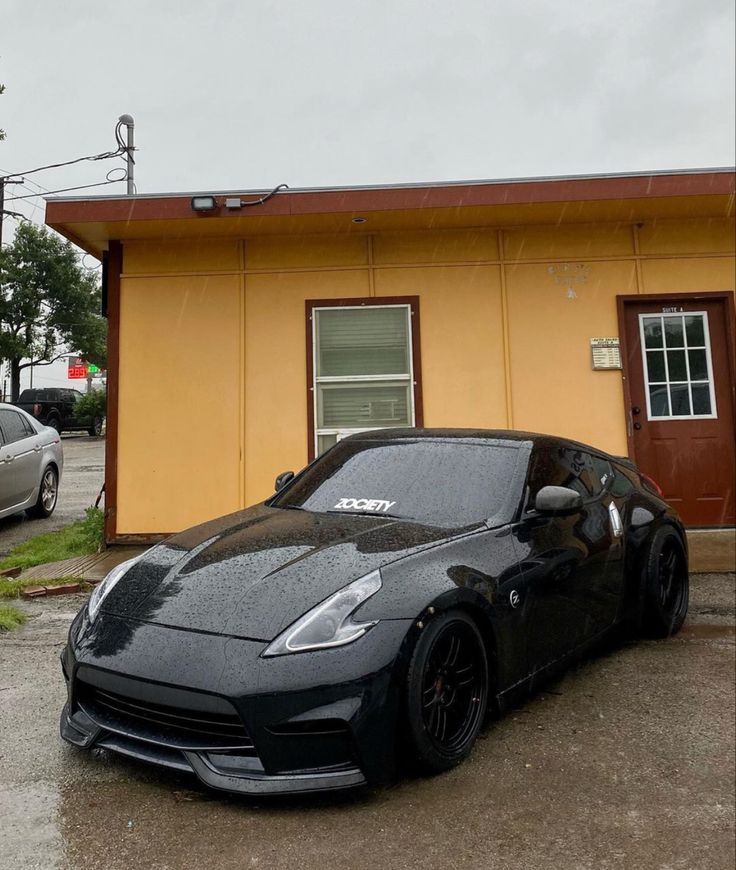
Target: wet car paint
197	613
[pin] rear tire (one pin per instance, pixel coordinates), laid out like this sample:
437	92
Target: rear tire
48	494
447	690
55	423
666	587
95	429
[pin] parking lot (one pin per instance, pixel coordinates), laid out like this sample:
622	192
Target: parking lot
82	479
626	762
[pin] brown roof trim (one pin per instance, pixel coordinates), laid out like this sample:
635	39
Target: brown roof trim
361	200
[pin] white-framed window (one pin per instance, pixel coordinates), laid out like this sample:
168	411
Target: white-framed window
362	370
678	370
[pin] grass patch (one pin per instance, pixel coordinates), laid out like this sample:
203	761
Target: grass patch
12	588
10	617
82	538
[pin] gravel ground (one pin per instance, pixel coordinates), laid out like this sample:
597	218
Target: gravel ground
82	479
626	762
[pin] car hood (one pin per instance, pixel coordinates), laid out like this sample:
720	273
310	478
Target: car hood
251	574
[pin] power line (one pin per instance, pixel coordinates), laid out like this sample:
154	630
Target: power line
104	155
66	189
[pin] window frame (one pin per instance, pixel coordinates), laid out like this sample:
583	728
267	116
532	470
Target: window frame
663	315
415	378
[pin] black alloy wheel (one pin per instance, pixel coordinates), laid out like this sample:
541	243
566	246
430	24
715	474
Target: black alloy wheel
447	691
666	585
96	428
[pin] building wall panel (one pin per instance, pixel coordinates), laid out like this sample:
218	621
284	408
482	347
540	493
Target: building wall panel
561	242
287	252
554	387
688	275
179	420
438	246
276	369
460	314
192	255
699	236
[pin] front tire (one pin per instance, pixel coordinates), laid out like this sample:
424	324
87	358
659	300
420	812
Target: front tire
666	588
446	692
95	429
48	494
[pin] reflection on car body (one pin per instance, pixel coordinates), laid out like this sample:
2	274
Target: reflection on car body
294	647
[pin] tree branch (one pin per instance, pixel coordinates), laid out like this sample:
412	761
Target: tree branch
35	362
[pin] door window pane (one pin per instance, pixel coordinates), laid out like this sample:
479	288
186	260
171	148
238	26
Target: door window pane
678	378
673	331
676	365
653	331
694	331
655	366
698	365
701	399
679	400
659	401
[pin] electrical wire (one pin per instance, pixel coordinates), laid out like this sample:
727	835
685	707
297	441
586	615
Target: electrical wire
265	197
104	155
66	189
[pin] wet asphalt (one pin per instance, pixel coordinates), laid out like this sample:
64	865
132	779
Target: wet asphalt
625	762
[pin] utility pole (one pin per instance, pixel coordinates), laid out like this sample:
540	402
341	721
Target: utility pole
6	179
129	123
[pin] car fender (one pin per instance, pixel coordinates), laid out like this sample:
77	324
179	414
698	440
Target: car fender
477	573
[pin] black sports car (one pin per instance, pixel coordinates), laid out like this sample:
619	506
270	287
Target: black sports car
378	606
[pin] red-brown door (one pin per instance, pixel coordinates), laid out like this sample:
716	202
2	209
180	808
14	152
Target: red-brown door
681	415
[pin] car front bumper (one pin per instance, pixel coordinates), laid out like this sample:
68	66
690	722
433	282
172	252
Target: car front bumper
210	705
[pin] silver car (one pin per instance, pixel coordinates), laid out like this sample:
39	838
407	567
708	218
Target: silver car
31	462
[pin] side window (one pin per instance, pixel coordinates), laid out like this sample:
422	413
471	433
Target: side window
13	426
603	471
554	465
625	481
27	426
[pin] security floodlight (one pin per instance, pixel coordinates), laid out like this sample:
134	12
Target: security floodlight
204	203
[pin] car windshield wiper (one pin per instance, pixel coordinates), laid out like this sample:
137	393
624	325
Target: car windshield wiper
367	514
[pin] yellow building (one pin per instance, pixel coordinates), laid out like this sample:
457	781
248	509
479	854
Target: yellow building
247	332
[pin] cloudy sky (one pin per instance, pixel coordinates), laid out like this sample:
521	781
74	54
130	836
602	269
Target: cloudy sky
245	94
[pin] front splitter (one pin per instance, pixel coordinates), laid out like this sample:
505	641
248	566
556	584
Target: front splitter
82	731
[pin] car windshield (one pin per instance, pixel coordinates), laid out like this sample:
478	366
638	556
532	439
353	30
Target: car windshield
440	483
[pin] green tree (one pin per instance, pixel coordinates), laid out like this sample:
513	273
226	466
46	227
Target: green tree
49	304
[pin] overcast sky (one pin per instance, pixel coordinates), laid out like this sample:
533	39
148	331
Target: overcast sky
243	94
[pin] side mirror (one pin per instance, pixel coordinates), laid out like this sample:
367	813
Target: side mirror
283	479
557	499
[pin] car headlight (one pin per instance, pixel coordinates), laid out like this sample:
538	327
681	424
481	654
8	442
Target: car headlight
108	584
330	623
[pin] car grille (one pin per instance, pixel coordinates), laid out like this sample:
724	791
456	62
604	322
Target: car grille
163	724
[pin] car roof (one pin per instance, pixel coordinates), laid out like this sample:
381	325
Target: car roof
508	436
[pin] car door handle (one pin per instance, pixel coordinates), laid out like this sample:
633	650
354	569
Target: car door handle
617	526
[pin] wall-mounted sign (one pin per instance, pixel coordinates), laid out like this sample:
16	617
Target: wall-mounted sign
606	353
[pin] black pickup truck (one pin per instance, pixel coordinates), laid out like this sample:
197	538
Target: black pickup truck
54	406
